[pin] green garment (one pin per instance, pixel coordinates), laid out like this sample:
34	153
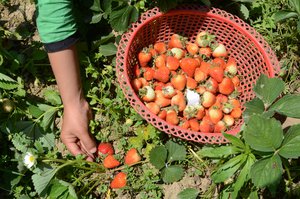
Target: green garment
55	20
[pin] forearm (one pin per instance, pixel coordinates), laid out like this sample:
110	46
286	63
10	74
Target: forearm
67	74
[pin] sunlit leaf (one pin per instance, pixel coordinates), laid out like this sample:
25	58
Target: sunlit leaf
172	173
291	144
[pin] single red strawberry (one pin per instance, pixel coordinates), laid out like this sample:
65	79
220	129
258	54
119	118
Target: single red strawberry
220	51
176	41
132	156
160	61
201	89
136	84
162	74
148	73
137	70
206	52
222	99
105	148
179	101
199	75
206	126
152	51
191	83
179	81
162	114
172	117
172	63
160	47
231	67
153	107
192	48
220	127
236	81
184	123
189	65
158	85
194	124
215	114
200	113
211	85
168	91
229	120
219	62
144	81
119	181
110	162
208	99
144	57
216	72
161	100
236	113
147	94
205	66
226	87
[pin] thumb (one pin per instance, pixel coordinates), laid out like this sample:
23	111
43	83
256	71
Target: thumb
88	143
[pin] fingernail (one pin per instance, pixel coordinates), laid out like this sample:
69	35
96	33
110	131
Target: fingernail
93	150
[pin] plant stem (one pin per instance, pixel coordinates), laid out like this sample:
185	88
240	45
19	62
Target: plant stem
288	173
82	176
200	159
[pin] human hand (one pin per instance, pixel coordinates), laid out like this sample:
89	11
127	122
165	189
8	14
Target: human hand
75	134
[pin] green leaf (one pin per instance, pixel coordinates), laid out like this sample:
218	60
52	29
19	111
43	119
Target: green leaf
7	83
243	176
175	151
52	96
298	25
56	189
268	89
122	16
108	49
188	193
228	169
283	15
263	134
266	171
291	144
288	105
48	118
244	10
255	106
41	181
172	173
234	140
158	156
296	5
35	111
165	5
218	152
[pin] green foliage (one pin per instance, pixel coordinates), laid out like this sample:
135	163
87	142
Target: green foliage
188	193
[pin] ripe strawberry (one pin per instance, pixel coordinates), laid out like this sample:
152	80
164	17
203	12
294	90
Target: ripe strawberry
215	114
235	103
119	181
226	87
136	84
206	126
231	67
189	65
152	50
211	85
208	99
205	66
201	89
136	70
162	114
229	120
162	74
153	107
158	85
220	127
160	47
219	62
147	94
144	81
220	51
176	41
132	156
160	61
184	123
168	91
236	81
194	124
110	162
216	72
178	53
191	83
179	81
172	63
222	99
144	57
160	100
105	148
172	117
199	75
179	101
207	52
190	111
192	48
200	113
148	73
236	113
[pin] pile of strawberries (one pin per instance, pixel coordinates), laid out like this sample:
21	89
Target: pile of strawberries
106	151
193	85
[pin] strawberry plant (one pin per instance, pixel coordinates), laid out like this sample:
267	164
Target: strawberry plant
263	152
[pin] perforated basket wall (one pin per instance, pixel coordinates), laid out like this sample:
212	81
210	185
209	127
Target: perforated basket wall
253	55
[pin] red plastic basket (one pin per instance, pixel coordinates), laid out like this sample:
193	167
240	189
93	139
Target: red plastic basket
253	55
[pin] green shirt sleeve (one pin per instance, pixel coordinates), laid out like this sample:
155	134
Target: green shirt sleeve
55	20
